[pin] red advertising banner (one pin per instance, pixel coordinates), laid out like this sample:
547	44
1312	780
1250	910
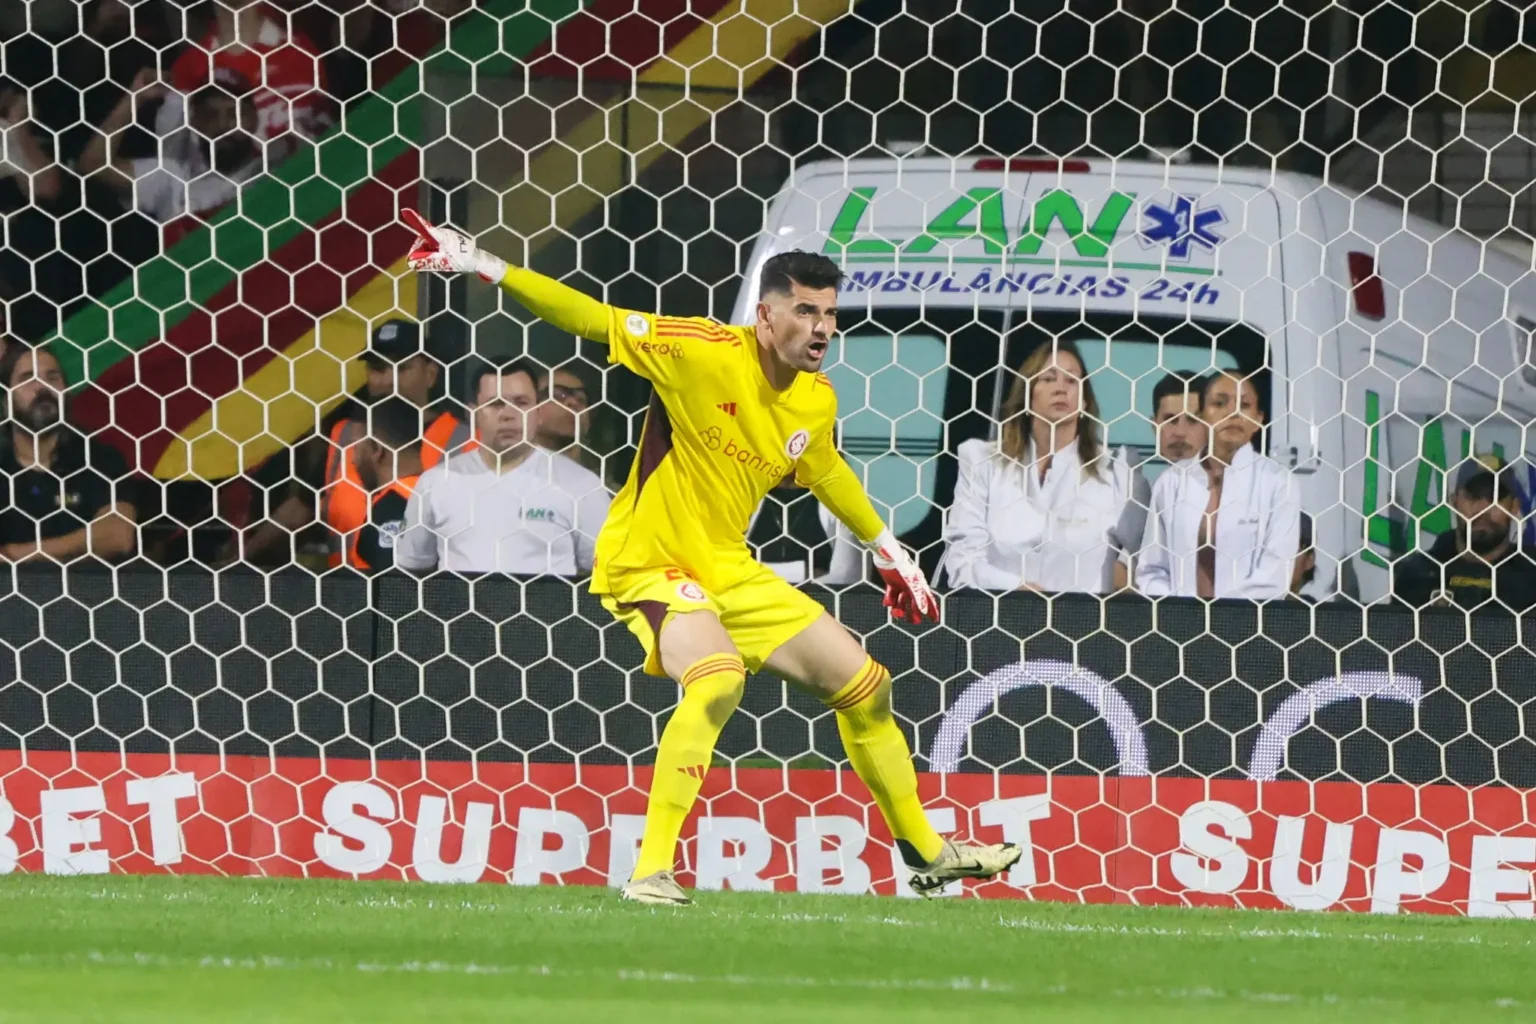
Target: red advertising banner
1304	845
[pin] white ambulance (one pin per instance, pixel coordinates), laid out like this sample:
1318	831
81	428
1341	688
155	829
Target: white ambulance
1387	346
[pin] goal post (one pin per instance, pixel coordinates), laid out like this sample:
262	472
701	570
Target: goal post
1324	203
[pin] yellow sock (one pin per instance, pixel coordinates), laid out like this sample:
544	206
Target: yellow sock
711	690
881	757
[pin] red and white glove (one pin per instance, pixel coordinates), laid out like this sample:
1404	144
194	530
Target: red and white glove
446	251
907	593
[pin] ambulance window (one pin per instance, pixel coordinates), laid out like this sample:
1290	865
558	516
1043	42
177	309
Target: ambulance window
894	373
1124	371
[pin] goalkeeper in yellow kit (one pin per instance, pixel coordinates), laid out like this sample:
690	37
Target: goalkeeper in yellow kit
734	410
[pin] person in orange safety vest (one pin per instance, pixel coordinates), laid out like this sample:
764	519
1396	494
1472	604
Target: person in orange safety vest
317	478
398	365
388	460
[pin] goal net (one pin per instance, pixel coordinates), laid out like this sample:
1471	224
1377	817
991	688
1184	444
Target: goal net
1257	279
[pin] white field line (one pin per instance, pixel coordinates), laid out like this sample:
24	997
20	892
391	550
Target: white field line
643	976
1297	934
442	967
1019	922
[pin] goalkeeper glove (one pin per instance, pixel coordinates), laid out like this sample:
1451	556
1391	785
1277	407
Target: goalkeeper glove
907	593
446	251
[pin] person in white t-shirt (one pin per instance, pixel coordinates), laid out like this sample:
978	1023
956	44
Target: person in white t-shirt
504	505
1046	507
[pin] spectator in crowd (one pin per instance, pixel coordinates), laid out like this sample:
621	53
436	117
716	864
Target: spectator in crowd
201	165
121	39
794	535
1176	416
388	463
1479	559
62	496
1048	507
1226	524
257	43
565	412
28	174
36	199
320	479
1305	569
508	505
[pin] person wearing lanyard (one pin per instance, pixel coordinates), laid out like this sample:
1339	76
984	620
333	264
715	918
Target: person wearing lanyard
1047	506
1227	523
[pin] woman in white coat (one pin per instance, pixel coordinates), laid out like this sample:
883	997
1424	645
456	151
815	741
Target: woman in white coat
1046	507
1225	524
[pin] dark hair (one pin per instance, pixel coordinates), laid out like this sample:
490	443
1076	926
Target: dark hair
14	354
1204	384
1176	384
576	367
511	368
809	269
12	358
394	422
1242	380
1490	486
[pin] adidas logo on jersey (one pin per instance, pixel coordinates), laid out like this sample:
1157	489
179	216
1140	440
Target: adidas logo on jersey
729	408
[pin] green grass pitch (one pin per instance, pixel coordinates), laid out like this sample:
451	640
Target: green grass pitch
233	950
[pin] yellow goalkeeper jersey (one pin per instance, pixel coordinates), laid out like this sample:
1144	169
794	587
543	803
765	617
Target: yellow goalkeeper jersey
716	439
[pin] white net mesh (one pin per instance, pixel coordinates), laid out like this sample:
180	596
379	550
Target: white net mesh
1295	239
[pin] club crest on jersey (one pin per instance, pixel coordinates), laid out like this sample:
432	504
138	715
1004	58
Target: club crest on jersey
690	591
795	446
636	325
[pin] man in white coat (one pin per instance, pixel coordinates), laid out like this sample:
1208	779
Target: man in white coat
1225	524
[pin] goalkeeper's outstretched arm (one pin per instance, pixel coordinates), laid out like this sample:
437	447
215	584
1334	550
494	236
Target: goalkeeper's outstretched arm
828	475
448	251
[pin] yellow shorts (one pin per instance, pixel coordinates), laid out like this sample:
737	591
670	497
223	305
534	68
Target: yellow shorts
759	610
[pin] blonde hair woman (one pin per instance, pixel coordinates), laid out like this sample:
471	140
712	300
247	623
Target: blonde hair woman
1046	506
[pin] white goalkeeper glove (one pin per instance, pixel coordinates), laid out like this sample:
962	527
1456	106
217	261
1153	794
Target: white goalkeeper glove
907	593
446	251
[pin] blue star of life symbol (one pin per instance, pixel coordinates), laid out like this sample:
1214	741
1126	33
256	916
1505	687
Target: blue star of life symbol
1182	225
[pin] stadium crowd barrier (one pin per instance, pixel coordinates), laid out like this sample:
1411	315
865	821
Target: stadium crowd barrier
452	729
